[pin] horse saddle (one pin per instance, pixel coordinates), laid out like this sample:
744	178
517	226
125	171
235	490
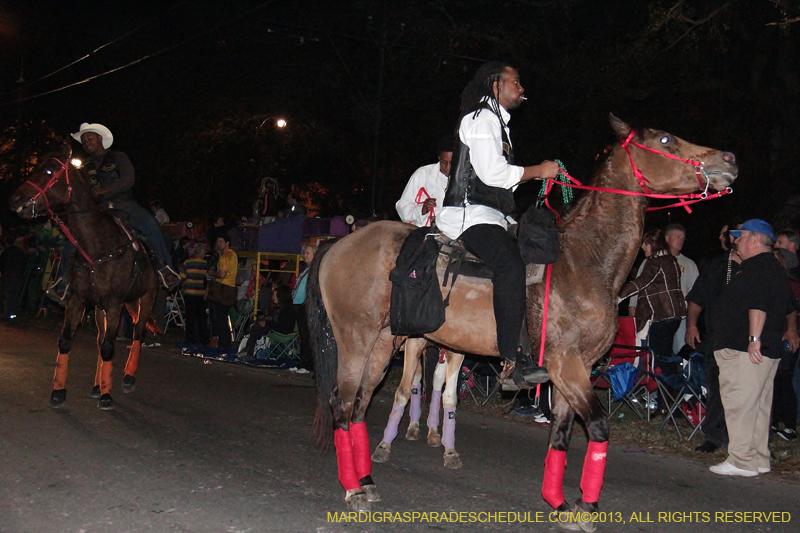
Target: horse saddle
455	260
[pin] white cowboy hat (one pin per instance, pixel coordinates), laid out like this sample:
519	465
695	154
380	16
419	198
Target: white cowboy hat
102	131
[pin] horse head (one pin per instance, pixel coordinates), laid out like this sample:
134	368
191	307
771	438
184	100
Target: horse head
665	164
47	188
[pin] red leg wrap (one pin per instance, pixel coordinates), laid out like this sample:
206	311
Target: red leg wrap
105	377
361	455
553	486
344	459
133	359
594	469
60	376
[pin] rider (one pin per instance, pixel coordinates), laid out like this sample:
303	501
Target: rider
113	178
425	189
480	199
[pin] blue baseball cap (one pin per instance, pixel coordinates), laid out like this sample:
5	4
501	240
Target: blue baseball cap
756	225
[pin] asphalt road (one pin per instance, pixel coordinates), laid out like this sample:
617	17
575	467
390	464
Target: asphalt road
225	448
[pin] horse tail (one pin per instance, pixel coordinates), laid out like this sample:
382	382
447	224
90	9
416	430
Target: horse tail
430	358
326	353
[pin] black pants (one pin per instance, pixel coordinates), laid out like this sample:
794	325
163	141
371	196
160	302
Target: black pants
714	427
659	340
220	328
196	320
495	247
784	400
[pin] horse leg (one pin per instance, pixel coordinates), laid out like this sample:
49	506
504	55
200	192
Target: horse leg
401	397
100	323
72	318
140	325
561	420
415	411
106	346
439	378
449	400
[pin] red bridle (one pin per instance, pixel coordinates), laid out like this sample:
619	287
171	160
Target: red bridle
42	192
684	200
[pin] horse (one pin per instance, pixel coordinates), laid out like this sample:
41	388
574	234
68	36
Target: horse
111	269
349	304
445	373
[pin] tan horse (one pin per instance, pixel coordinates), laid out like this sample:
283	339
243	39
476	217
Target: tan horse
349	292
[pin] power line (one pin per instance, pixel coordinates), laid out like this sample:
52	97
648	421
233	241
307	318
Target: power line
120	38
141	59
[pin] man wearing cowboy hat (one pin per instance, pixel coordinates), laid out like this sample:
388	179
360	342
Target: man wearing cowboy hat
113	178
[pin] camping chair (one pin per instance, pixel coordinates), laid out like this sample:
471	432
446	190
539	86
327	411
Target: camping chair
280	346
484	376
241	327
175	309
634	392
683	394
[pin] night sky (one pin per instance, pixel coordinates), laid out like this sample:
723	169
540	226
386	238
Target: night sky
196	114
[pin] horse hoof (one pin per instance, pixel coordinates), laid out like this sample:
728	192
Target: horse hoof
372	492
128	384
583	519
106	402
95	394
58	397
382	453
434	439
452	460
357	501
413	431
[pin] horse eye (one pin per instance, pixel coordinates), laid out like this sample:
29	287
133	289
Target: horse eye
665	139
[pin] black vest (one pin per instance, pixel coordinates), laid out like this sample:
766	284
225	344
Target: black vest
465	187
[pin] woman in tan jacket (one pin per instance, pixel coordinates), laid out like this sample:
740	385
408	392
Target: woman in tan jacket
661	301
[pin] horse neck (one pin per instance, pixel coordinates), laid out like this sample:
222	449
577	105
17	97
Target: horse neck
604	229
84	220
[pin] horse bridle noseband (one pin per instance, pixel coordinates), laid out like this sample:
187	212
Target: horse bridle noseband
50	184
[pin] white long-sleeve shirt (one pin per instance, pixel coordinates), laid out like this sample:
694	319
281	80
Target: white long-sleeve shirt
483	137
426	182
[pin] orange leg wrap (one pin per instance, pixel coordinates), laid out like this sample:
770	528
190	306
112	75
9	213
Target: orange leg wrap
60	377
133	359
554	466
594	469
105	377
97	371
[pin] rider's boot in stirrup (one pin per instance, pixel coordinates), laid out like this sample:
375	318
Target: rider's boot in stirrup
169	278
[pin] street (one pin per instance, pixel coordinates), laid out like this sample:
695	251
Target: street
226	448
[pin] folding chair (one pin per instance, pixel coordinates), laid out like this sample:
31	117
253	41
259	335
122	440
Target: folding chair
283	346
240	328
485	378
627	348
683	393
175	310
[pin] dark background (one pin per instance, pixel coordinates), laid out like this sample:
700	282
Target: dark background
196	112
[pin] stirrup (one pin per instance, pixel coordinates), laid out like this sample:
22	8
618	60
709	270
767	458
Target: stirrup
169	278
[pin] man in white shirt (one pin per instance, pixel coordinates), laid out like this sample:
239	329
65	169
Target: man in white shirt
424	192
480	195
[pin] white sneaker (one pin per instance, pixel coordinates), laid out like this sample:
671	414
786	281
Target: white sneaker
764	470
727	469
302	371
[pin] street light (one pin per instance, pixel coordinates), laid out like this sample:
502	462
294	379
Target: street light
279	122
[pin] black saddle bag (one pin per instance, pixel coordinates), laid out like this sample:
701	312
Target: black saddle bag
417	306
538	236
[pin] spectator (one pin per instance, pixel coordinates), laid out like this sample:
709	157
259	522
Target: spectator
675	235
784	400
158	211
717	274
294	206
218	228
181	253
193	272
280	318
748	324
788	239
661	301
222	293
299	300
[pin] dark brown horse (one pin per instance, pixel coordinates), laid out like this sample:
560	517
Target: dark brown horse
349	294
110	269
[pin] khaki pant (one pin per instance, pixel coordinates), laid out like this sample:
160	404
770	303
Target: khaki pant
746	391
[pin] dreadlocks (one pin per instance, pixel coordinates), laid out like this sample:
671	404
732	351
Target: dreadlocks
482	86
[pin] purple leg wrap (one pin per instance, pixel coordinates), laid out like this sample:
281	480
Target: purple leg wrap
449	429
394	421
416	405
433	412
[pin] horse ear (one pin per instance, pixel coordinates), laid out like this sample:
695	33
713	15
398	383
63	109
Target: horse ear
622	129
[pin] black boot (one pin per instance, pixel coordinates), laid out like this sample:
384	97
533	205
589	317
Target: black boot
526	373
